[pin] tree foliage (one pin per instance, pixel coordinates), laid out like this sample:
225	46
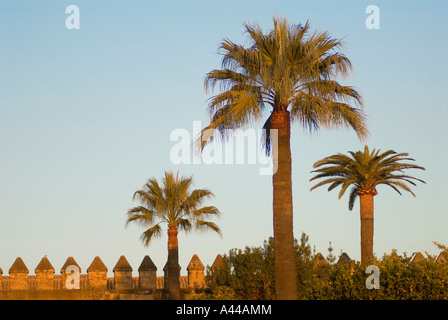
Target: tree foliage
288	68
363	171
248	274
174	203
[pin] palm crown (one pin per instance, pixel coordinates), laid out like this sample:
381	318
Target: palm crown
285	69
174	204
364	170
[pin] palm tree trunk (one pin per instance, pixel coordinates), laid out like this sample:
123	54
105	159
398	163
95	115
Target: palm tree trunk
366	205
284	253
173	265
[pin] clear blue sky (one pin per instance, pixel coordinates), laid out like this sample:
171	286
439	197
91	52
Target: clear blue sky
86	117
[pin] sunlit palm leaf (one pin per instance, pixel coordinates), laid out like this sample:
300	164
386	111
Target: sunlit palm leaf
287	67
365	170
171	202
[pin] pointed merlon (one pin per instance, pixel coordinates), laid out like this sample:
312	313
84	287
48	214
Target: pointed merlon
418	257
18	267
442	258
195	264
97	265
147	265
44	265
70	262
122	265
320	261
344	258
218	263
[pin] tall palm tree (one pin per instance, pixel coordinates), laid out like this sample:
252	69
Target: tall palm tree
285	75
181	209
363	171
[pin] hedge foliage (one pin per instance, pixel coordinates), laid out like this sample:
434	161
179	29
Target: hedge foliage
249	274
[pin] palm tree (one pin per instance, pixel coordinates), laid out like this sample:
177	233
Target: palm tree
172	203
364	171
286	75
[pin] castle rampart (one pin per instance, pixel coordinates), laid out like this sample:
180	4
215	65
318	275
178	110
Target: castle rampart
73	285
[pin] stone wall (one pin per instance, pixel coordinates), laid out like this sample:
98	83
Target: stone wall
71	284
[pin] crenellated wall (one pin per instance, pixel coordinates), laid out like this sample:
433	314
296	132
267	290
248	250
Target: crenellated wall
72	284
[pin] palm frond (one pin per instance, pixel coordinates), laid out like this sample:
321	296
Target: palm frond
141	215
207	211
151	233
195	199
353	196
328	181
171	202
202	225
286	68
266	142
185	225
364	170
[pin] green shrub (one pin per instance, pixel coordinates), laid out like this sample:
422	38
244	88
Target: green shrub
249	274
